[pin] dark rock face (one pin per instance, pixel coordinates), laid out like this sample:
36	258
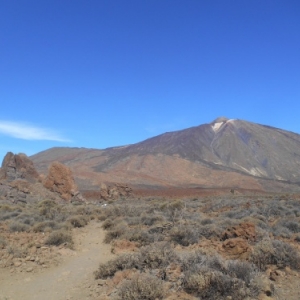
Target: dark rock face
18	166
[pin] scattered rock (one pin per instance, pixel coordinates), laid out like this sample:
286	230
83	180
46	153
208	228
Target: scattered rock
244	230
115	191
236	248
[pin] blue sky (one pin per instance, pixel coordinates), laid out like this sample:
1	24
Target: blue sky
103	73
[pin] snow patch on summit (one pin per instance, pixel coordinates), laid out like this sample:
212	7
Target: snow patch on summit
217	125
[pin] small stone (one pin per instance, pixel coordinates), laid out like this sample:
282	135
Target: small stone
29	269
17	263
33	250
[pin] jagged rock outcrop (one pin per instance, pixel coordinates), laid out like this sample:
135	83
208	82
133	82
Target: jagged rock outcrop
115	191
60	180
18	166
20	182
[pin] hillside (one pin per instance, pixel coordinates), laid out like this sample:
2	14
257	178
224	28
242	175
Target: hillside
223	154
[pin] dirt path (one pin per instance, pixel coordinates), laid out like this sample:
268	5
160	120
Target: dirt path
70	280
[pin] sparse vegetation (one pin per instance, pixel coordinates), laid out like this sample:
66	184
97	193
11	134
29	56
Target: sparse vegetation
177	245
143	287
57	238
166	232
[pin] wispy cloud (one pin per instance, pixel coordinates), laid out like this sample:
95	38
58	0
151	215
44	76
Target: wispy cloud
27	131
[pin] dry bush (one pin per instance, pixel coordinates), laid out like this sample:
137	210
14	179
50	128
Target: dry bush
184	235
18	227
78	221
57	238
157	255
108	224
297	238
210	284
3	242
142	287
122	262
9	215
151	219
211	277
293	226
115	232
43	226
143	237
17	252
275	252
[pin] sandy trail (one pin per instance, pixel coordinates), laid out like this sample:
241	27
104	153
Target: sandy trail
69	280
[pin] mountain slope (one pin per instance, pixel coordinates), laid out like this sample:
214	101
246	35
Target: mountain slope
224	153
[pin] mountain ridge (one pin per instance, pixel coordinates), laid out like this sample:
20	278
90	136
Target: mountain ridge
189	157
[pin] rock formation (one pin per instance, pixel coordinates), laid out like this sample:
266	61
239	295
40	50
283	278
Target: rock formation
20	182
18	166
114	192
60	180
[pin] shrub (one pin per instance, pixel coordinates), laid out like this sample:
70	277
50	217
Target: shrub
211	277
19	227
122	262
241	270
17	252
140	236
276	253
115	232
3	242
142	287
211	284
57	238
78	221
9	215
108	224
157	255
297	238
293	226
42	226
152	219
184	235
